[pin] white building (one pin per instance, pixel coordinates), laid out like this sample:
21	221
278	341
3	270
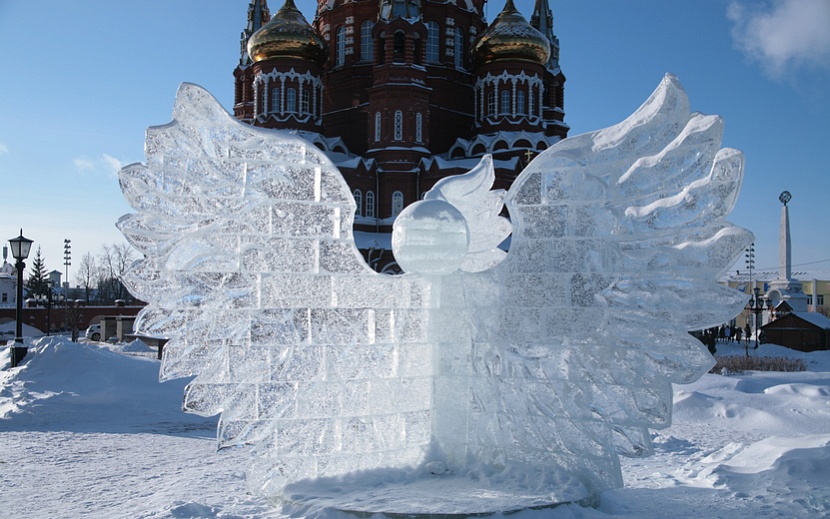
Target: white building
8	283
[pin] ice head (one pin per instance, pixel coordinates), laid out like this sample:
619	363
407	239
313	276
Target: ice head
430	237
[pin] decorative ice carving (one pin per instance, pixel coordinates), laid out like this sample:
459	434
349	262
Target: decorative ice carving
498	381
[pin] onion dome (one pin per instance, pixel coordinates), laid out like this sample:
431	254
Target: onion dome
511	37
287	35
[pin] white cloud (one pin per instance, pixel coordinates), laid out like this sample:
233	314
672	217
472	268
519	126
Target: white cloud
113	165
106	164
783	35
3	148
83	164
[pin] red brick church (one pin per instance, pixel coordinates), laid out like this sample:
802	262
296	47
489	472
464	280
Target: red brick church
401	93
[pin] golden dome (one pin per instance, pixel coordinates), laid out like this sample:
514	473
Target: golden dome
510	37
287	35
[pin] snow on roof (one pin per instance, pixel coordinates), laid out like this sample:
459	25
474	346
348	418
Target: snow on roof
466	163
814	318
373	240
352	163
766	276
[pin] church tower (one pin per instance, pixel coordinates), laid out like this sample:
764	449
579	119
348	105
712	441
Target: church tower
402	93
288	57
510	58
243	104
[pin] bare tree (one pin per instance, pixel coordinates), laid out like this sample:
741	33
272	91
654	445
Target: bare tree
86	275
113	264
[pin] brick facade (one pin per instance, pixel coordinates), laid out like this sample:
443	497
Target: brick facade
403	100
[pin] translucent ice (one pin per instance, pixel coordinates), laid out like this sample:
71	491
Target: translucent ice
478	373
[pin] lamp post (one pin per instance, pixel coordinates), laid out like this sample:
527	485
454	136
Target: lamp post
48	308
756	305
20	251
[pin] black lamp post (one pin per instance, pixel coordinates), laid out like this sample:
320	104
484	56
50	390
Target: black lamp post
49	308
756	305
20	251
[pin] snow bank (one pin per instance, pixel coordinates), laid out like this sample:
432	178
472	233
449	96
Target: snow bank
8	330
86	387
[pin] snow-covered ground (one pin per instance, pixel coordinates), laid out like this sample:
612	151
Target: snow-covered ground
86	430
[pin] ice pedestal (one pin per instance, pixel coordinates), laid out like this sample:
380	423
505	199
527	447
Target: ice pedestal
508	380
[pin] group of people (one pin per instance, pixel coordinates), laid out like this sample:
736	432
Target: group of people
727	333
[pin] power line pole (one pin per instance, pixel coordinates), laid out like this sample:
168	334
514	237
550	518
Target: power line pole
67	260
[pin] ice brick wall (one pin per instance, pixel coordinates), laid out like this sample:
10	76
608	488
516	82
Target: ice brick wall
251	269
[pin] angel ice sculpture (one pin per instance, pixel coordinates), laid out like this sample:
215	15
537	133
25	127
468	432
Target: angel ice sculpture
479	380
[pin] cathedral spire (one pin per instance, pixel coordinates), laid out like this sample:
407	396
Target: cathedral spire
542	21
258	15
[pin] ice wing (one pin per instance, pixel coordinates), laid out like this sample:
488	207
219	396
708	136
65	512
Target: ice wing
251	271
619	238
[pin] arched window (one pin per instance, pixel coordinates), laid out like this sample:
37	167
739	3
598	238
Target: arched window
367	49
520	103
504	106
377	126
397	203
417	52
291	100
398	46
398	125
358	200
459	48
433	43
275	100
491	103
305	101
340	47
370	204
419	127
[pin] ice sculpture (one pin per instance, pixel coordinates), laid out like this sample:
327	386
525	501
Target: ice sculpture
476	382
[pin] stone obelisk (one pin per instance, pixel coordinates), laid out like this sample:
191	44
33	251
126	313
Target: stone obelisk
785	288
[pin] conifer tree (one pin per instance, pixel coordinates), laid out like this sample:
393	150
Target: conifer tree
37	285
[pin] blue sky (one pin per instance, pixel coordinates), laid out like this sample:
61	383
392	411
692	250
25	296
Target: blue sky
81	81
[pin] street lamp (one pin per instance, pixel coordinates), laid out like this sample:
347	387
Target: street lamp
20	251
756	305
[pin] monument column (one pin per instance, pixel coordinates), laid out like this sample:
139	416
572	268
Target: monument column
785	288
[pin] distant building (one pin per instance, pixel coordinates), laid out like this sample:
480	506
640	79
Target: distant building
401	93
815	285
8	281
785	291
804	331
55	280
